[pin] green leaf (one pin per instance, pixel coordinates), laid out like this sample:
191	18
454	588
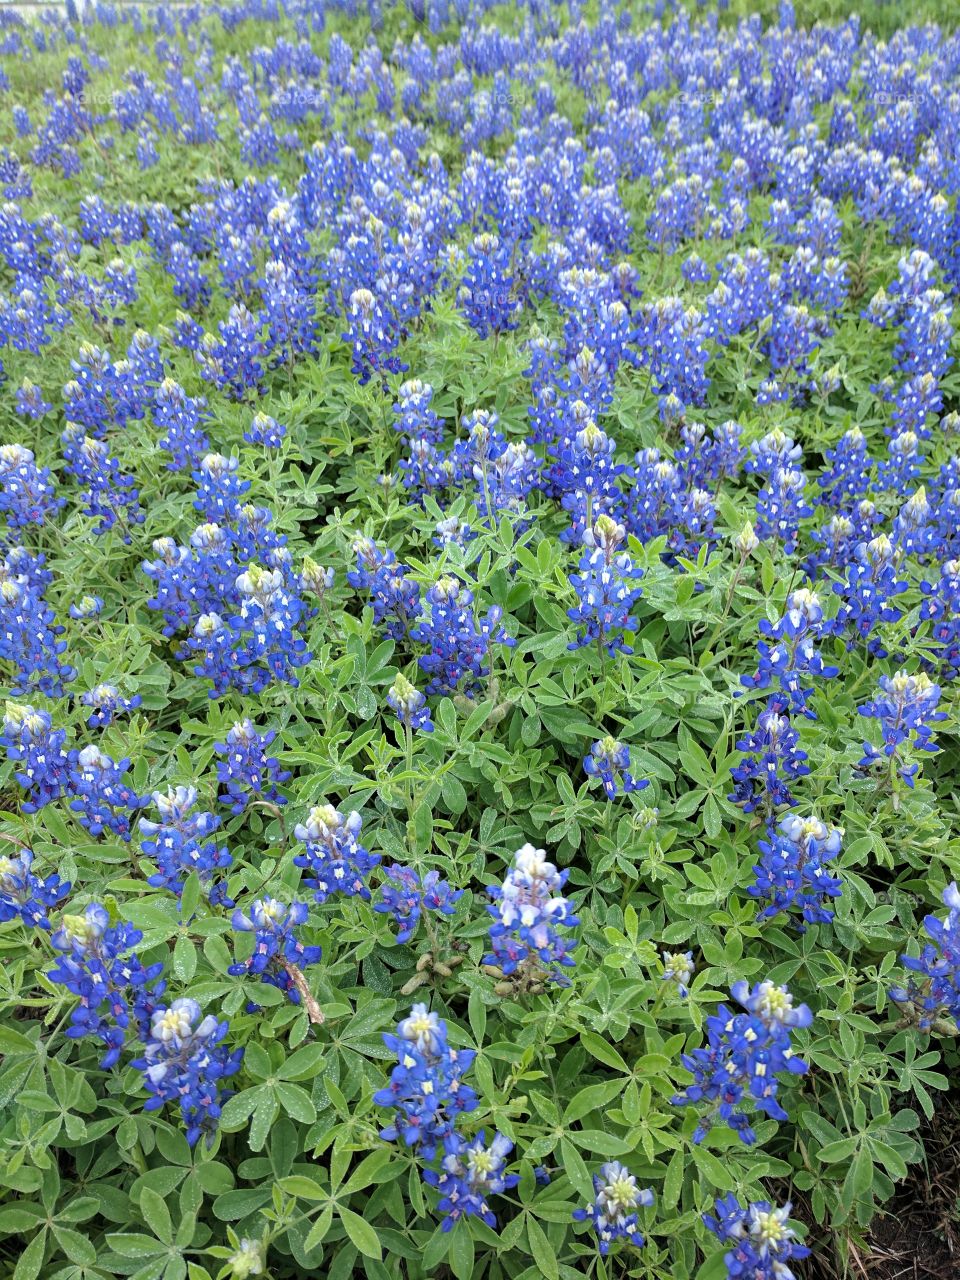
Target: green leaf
319	1229
156	1214
461	1255
77	1247
184	958
835	1151
603	1051
264	1114
369	1169
238	1109
12	1043
190	897
20	1217
715	1267
477	1013
296	1102
305	1188
133	1244
590	1099
576	1170
673	1182
542	1249
256	1061
360	1231
217	953
304	1064
31	1260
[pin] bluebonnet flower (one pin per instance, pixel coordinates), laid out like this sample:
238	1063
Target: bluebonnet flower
781	506
913	529
41	765
105	702
29	635
100	966
415	419
487	296
181	418
780	503
185	1061
744	1052
410	705
695	270
679	968
504	473
460	646
788	652
529	910
606	589
939	963
609	760
773	757
277	951
374	333
86	607
847	479
234	361
705	460
426	1093
265	431
253	537
427	468
451	530
178	844
28	319
775	451
338	863
316	578
760	1239
792	873
289	310
100	797
794	335
261	642
30	402
27	493
470	1174
24	894
614	1211
405	895
248	1258
907	710
147	153
913	403
586	477
247	771
110	497
941	608
661	506
395	599
212	641
219	488
871	584
186	580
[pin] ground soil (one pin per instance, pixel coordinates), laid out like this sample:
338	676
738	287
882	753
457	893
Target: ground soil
918	1235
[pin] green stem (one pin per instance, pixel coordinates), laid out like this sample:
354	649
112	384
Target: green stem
726	611
408	768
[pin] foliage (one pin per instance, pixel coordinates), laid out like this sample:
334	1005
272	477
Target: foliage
481	606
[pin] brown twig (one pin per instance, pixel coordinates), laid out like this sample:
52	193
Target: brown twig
314	1012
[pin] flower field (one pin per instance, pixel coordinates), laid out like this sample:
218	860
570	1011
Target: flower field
479	636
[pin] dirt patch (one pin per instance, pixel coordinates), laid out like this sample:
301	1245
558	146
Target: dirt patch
918	1235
